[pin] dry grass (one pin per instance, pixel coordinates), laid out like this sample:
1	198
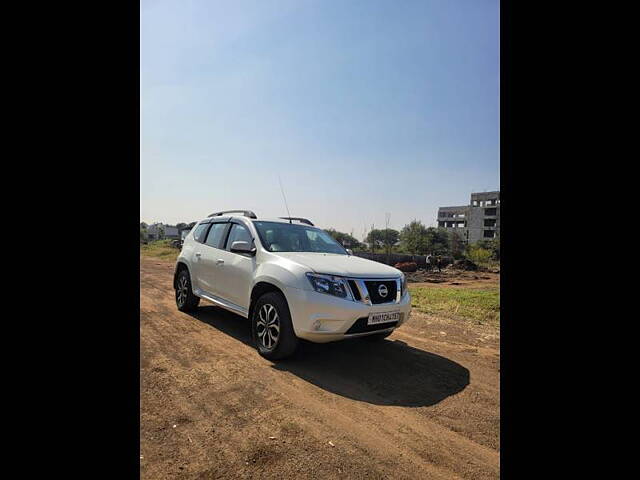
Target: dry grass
161	249
481	306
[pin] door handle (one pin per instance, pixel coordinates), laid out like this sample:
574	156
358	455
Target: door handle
219	261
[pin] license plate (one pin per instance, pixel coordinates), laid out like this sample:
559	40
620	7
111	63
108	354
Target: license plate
383	317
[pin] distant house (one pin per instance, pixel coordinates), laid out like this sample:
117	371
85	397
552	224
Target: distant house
159	231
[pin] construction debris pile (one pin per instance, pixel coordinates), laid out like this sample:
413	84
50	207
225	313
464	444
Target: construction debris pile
406	266
465	264
448	275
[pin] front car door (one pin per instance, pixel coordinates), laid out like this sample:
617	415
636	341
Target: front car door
236	273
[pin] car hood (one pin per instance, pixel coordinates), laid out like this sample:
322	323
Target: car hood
342	265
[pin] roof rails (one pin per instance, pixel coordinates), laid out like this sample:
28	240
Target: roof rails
299	219
246	213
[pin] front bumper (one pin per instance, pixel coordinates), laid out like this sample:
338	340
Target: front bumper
322	318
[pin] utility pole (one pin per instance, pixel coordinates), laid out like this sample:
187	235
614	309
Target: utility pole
373	242
387	217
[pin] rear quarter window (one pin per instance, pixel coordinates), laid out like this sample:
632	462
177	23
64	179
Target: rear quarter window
200	232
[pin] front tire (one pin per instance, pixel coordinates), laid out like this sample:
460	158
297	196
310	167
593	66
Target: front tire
272	328
186	301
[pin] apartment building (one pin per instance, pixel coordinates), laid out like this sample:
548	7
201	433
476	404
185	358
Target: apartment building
480	220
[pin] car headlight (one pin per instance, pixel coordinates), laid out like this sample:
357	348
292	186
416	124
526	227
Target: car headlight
336	286
403	282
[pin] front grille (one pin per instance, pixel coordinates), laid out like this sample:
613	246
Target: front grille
355	291
360	326
374	295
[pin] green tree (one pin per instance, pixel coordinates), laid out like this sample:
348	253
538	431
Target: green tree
414	238
346	240
492	246
383	238
438	240
456	245
390	238
495	248
374	239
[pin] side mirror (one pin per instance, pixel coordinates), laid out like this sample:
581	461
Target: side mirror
349	251
242	247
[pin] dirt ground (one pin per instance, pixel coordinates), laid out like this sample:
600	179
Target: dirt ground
450	277
424	403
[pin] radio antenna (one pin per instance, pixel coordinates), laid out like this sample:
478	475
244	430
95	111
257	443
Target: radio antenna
285	199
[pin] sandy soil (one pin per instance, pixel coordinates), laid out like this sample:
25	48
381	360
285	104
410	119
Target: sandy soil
422	404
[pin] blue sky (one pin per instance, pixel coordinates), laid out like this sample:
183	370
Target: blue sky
361	107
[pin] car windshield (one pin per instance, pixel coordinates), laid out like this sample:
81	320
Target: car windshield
289	237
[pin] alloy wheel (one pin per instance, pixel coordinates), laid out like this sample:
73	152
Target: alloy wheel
182	290
268	326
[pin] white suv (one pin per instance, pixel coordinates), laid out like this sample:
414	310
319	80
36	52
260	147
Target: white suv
292	280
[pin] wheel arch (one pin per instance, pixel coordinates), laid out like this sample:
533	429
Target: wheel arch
180	266
259	289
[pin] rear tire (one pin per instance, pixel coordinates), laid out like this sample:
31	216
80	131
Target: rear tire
271	327
377	337
186	301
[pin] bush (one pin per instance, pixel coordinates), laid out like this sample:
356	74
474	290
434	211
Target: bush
479	255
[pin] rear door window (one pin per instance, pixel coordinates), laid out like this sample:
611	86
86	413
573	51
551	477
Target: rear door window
216	235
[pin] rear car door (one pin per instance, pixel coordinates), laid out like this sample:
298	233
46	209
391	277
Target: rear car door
199	235
237	269
210	256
